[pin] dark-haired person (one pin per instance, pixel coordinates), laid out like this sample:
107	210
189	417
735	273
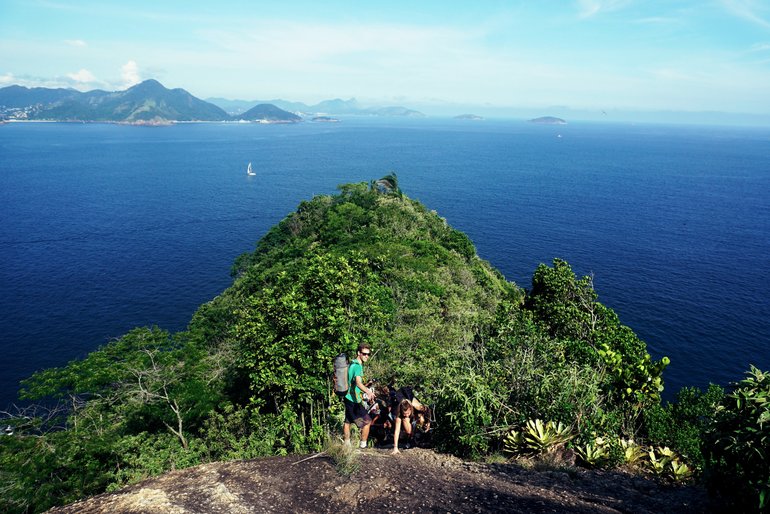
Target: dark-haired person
409	413
355	411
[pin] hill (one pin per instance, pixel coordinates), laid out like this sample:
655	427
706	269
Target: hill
414	481
144	102
532	374
17	97
267	113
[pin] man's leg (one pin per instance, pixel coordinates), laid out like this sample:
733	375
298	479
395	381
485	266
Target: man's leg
365	434
346	432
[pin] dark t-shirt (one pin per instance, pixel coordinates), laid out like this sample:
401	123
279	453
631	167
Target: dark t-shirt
396	397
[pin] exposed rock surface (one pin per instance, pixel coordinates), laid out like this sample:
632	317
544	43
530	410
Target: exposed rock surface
417	480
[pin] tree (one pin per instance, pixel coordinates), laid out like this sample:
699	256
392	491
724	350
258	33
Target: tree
567	308
290	329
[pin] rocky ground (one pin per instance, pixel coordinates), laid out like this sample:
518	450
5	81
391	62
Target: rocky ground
417	480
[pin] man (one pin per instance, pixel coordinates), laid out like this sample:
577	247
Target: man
355	412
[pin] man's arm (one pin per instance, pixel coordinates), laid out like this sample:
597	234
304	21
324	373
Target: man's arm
361	386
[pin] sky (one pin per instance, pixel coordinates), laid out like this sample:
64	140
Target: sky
600	55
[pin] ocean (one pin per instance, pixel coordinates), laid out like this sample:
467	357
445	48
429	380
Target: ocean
108	227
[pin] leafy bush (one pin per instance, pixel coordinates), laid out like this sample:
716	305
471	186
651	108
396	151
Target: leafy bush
739	443
567	308
682	424
467	404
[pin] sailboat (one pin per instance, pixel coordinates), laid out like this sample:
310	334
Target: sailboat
249	171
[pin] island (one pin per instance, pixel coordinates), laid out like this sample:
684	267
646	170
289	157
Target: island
468	117
325	119
548	120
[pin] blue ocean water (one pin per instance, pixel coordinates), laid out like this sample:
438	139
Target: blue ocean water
107	227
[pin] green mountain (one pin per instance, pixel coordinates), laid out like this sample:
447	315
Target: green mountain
144	102
251	375
268	113
19	97
547	373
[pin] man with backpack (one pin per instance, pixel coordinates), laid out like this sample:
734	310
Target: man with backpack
355	411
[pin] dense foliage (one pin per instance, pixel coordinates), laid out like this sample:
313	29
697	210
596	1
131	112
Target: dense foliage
251	374
738	443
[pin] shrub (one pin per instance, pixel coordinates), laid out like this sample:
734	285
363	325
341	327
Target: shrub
681	425
739	443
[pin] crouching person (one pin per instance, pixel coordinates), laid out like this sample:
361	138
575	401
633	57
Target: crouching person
355	411
409	415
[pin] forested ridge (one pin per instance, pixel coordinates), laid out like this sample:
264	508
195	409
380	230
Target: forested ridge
522	373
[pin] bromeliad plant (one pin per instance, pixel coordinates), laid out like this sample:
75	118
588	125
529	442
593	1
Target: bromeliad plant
632	452
594	453
537	437
679	470
665	462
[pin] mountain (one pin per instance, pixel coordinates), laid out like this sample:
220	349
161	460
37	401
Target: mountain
335	106
395	111
268	113
148	101
20	97
151	102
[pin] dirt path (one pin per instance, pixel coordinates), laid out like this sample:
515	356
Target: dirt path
417	480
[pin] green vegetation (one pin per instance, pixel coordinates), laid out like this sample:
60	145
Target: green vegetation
251	376
738	442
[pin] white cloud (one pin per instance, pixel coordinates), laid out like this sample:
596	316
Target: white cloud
130	74
78	43
7	78
83	76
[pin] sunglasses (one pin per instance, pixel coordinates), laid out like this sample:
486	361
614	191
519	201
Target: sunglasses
366	353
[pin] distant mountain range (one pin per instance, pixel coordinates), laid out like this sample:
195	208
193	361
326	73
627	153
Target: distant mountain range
151	103
327	107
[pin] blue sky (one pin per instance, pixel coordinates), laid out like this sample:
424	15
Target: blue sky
680	55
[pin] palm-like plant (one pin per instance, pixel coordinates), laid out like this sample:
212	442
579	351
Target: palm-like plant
537	437
632	452
594	452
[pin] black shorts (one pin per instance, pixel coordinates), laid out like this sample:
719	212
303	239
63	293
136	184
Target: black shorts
356	413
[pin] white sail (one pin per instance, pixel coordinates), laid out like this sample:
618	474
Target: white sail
249	171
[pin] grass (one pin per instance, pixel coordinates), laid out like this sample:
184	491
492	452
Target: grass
345	457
